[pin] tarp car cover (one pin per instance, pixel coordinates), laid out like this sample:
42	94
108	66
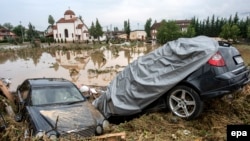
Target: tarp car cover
152	75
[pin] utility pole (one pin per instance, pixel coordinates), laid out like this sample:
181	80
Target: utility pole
21	30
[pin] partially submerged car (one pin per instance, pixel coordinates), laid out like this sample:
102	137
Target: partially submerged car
179	76
55	107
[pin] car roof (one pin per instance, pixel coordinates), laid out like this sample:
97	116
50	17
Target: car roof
48	81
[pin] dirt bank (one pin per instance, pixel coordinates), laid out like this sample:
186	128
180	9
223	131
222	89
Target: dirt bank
161	126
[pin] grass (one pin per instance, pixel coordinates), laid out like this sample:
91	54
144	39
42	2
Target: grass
245	52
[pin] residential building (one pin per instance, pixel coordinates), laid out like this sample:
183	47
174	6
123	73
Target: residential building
69	28
134	35
5	33
183	24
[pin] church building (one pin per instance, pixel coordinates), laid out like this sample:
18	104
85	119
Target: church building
70	28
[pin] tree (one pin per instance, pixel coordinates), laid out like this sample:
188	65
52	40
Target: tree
168	31
147	27
51	20
127	28
116	29
236	18
248	31
92	30
235	30
190	32
98	29
18	30
230	32
80	17
31	32
9	26
225	33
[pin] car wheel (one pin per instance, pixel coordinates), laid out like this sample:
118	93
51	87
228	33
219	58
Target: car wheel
184	102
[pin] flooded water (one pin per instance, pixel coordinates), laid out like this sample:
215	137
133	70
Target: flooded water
89	67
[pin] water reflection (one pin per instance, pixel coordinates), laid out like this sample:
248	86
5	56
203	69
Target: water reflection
89	67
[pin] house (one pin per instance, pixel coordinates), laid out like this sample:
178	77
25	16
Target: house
183	24
5	33
134	35
69	28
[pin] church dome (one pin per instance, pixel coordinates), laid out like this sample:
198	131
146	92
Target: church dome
69	12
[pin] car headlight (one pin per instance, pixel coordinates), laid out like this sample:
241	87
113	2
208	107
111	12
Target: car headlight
99	130
53	137
105	124
40	134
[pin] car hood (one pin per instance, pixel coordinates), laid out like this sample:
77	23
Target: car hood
65	118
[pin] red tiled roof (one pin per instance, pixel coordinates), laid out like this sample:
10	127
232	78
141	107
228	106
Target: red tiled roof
49	34
155	26
69	12
7	34
181	23
79	26
63	20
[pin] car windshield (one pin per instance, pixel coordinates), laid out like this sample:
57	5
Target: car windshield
55	94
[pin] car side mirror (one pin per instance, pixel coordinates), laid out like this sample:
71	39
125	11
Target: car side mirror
21	101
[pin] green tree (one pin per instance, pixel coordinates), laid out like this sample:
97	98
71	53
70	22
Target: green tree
92	30
116	29
225	33
235	31
9	26
127	28
248	31
19	31
80	17
51	20
190	32
168	31
236	18
147	27
98	29
31	33
230	32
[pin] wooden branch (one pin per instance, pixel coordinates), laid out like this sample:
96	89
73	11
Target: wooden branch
6	92
112	137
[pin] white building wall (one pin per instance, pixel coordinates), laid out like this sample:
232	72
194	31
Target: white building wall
74	33
61	28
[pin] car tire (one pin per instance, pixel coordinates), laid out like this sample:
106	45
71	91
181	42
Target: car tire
184	102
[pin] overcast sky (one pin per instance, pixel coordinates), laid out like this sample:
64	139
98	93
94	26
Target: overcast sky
113	13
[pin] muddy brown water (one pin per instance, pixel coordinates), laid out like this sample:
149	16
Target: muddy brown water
89	67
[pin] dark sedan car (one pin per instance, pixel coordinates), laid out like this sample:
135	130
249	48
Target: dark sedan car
179	75
55	107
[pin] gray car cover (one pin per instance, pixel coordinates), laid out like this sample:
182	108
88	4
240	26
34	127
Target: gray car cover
152	75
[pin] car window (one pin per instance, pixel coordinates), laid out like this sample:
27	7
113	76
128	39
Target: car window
55	94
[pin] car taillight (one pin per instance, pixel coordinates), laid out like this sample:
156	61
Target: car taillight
217	60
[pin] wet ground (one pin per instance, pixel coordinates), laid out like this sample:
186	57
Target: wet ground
82	66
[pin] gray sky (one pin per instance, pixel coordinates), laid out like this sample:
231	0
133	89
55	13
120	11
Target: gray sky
113	13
